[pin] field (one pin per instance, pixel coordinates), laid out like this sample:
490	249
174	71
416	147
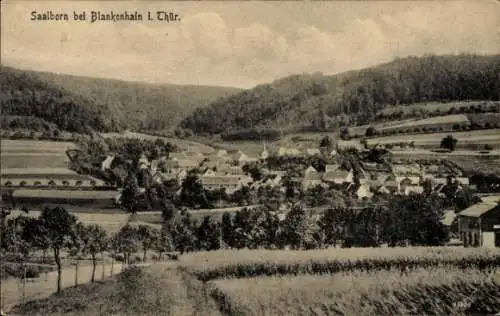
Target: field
111	222
437	292
482	137
216	214
34	154
366	281
399	281
180	143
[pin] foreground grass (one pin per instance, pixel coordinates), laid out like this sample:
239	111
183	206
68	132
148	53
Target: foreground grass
251	263
421	292
156	290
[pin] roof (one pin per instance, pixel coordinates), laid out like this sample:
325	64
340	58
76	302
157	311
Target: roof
331	167
312	151
219	180
313	176
336	174
406	169
479	209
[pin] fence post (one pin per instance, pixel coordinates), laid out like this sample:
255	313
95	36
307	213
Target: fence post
24	284
103	266
76	273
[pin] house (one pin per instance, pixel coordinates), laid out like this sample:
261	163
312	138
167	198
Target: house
106	164
187	163
230	183
283	151
479	225
339	176
221	153
364	191
313	151
264	154
331	167
413	189
311	179
143	162
309	170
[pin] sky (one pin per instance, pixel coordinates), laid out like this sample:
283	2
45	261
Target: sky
241	43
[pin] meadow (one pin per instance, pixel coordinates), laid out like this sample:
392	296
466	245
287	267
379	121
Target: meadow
483	137
34	153
182	144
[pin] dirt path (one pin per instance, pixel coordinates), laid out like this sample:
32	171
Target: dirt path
46	284
189	297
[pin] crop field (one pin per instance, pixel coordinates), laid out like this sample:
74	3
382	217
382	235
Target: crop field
248	263
434	291
356	281
34	154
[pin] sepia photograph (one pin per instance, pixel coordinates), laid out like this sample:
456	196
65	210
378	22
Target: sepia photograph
250	158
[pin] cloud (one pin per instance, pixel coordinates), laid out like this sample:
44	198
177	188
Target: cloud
208	47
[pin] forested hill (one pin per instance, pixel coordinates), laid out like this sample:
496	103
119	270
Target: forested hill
74	103
352	97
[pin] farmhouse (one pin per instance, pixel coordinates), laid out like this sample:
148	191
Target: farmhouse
479	225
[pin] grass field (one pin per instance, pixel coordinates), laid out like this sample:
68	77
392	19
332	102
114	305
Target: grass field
491	136
34	154
432	121
180	143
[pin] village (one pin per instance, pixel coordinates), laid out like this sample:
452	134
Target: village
224	169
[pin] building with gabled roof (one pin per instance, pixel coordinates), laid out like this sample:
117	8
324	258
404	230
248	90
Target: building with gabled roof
339	176
479	225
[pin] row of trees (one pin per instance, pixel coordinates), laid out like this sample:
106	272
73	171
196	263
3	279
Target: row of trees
58	231
413	220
